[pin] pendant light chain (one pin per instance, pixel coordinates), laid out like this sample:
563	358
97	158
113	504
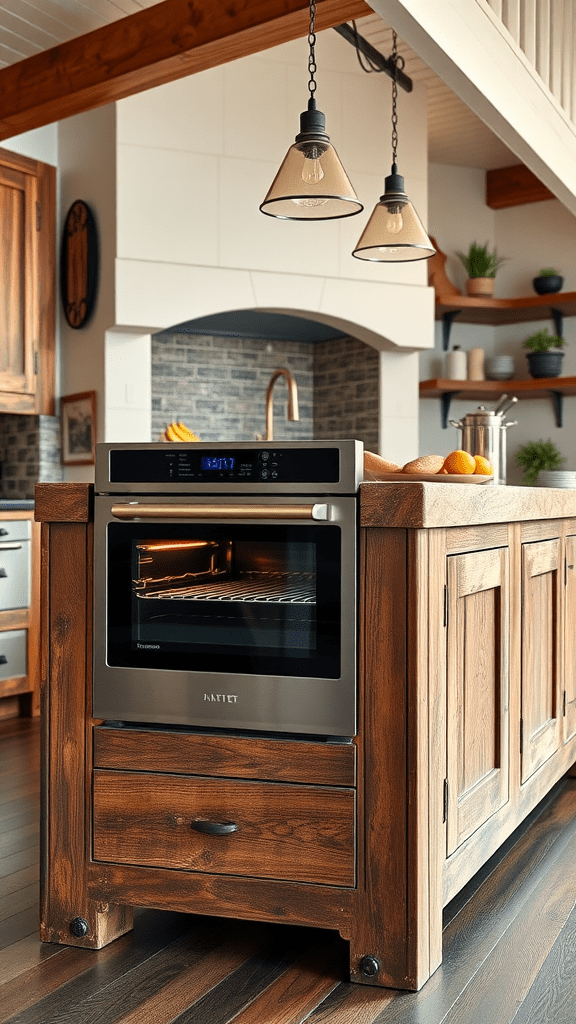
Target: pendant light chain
398	62
312	68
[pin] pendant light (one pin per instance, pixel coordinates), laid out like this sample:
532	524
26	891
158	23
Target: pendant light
311	183
394	233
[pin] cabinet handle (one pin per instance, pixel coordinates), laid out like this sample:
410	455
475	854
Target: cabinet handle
10	547
3	659
3	532
215	828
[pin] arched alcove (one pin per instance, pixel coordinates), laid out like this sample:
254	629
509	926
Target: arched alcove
211	371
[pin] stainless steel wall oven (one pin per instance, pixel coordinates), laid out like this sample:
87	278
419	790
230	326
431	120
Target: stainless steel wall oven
225	585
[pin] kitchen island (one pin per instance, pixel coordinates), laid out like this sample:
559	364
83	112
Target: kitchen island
467	718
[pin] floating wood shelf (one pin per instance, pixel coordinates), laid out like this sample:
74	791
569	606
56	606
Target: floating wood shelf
473	310
446	390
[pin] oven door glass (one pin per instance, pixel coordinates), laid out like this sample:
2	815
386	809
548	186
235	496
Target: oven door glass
225	598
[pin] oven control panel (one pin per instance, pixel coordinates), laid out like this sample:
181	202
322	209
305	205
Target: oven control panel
230	467
197	465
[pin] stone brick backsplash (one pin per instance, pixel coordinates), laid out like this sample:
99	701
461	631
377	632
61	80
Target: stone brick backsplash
29	453
217	387
346	391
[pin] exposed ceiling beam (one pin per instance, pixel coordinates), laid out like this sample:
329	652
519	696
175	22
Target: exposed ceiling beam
514	186
160	44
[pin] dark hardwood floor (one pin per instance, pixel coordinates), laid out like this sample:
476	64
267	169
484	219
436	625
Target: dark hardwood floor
509	942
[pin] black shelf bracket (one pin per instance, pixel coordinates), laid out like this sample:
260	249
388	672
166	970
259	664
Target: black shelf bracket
445	400
558	318
558	399
447	319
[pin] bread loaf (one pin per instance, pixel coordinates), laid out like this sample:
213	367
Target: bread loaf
375	464
425	464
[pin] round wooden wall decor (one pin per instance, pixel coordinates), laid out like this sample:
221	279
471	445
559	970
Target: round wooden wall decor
78	264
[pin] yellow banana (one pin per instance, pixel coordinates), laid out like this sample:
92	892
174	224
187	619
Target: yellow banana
186	434
171	433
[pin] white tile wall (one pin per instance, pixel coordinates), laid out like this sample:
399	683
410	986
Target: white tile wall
167	205
186	115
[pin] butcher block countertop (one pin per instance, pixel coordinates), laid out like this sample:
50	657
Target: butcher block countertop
419	505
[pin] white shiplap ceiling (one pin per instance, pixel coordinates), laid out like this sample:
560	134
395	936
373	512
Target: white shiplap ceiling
455	135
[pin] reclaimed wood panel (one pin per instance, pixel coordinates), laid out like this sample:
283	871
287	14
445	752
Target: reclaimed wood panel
298	833
477	690
322	764
541	663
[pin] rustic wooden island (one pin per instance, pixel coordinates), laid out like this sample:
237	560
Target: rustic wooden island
467	718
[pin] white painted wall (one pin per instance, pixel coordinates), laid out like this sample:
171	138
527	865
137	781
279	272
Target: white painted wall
532	236
87	166
40	144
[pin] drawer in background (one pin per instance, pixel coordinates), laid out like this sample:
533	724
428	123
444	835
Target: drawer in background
15	529
294	833
14	573
13	654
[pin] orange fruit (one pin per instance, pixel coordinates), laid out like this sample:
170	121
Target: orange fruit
459	462
483	466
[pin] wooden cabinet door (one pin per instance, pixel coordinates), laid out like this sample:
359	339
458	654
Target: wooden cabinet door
570	637
477	690
18	289
541	653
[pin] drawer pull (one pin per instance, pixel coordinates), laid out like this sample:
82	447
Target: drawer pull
214	828
3	659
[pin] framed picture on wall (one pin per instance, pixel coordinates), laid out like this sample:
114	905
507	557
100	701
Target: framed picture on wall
78	416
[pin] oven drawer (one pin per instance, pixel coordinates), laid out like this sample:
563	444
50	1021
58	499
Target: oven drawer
294	833
14	573
12	654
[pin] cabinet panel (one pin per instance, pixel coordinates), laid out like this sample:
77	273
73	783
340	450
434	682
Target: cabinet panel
18	282
298	833
570	638
540	683
477	690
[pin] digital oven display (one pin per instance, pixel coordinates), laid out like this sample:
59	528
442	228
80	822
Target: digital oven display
217	462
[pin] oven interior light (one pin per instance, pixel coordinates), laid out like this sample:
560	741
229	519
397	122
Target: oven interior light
174	545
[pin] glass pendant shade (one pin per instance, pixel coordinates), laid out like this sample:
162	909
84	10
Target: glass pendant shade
311	183
394	233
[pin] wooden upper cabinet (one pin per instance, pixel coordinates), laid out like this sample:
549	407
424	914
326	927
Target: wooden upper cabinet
27	284
541	653
570	637
477	690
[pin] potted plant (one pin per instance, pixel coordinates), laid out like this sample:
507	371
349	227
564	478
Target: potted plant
545	357
481	266
547	282
537	457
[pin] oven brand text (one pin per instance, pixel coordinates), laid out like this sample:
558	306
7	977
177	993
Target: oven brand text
221	698
148	647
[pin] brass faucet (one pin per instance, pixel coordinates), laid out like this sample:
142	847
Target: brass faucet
293	413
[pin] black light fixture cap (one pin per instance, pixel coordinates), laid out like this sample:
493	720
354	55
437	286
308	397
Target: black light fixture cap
312	124
394	185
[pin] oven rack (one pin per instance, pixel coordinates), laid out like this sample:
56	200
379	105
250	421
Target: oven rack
251	587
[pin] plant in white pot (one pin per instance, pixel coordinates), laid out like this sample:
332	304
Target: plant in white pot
536	458
481	267
545	356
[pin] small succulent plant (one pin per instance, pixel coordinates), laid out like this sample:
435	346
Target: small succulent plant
481	263
548	272
543	340
536	456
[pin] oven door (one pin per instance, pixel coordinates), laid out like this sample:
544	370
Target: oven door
226	614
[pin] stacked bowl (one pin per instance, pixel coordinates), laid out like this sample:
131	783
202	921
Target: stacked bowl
557	478
499	368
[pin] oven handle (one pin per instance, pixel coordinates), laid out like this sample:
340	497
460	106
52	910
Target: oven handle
136	510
